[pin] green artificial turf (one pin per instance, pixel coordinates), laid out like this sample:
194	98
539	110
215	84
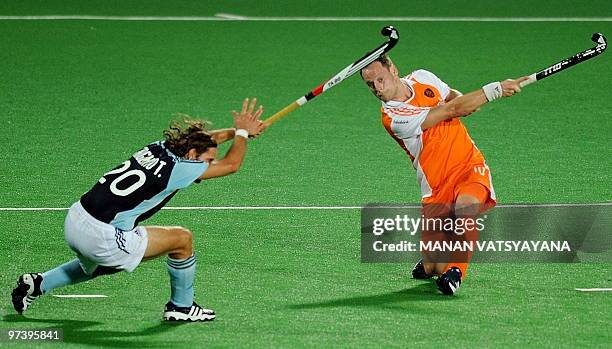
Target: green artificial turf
78	97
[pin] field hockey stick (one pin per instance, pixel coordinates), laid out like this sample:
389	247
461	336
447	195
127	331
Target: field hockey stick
571	61
369	57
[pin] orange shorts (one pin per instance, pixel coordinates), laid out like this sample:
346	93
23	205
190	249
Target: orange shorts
466	182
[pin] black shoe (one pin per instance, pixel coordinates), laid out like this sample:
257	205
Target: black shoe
27	290
449	282
418	272
192	313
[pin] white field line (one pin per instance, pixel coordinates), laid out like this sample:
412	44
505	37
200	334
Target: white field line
80	296
231	16
234	17
314	208
594	289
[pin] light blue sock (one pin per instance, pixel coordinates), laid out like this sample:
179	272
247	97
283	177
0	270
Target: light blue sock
182	273
66	274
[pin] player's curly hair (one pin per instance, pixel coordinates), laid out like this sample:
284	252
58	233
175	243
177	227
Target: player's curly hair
181	136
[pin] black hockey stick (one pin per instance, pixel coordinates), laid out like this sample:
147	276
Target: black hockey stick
599	38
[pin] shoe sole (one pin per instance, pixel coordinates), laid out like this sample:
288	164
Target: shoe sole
180	317
173	318
20	293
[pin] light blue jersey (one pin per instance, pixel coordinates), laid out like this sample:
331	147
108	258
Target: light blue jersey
141	186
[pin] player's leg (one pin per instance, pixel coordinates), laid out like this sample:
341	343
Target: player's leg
177	243
33	285
90	240
470	201
436	209
68	273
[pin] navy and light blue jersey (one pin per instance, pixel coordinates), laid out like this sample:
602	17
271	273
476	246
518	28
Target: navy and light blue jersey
141	186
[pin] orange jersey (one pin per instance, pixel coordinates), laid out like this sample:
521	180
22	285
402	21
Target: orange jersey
439	152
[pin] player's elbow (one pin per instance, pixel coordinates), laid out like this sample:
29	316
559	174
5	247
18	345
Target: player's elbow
233	167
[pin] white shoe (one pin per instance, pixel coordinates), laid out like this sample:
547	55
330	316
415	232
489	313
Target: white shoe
193	313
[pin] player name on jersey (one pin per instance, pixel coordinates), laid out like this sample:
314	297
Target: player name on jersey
147	160
140	186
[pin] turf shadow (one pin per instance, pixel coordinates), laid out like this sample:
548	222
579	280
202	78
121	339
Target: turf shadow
78	332
422	292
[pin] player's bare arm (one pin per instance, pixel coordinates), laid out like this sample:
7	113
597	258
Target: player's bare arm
223	135
465	105
452	95
247	119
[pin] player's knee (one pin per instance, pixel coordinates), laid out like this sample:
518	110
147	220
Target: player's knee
185	238
467	205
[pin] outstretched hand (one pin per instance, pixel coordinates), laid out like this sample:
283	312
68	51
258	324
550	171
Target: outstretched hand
248	118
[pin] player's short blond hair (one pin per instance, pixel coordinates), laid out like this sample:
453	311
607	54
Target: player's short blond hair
383	59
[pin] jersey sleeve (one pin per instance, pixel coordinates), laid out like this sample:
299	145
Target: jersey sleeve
406	122
185	172
430	78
